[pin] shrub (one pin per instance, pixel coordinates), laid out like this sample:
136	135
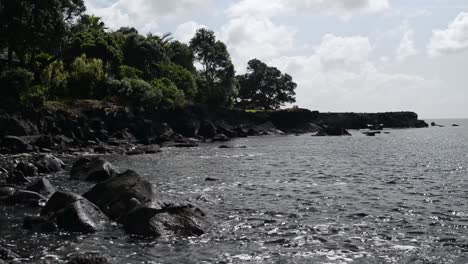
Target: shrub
55	78
137	92
86	78
171	96
129	72
15	83
36	96
181	77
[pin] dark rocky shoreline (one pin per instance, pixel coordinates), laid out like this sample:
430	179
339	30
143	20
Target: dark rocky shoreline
36	143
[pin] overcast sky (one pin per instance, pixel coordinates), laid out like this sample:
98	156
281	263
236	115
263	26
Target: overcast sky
345	55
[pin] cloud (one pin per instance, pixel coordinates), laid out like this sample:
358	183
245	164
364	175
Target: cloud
339	8
187	30
454	39
250	37
339	76
145	15
407	47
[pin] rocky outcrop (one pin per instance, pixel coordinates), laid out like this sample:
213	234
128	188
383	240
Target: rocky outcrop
182	220
8	255
333	131
28	169
26	197
94	170
74	213
113	195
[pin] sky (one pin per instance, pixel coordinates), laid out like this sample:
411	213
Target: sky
345	55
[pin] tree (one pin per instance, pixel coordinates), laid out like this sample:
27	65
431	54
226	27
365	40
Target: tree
217	84
30	26
143	54
180	53
265	87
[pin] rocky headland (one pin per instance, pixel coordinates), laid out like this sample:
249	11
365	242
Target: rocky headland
37	143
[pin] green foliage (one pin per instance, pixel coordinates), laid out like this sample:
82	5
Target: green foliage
144	54
55	78
216	82
265	87
27	26
180	53
36	96
86	78
14	84
171	96
95	43
181	77
129	72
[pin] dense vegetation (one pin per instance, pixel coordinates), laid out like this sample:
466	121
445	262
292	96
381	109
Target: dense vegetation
56	52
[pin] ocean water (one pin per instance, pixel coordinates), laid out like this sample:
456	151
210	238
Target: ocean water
400	197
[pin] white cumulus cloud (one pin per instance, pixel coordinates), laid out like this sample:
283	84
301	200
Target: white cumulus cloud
453	39
340	8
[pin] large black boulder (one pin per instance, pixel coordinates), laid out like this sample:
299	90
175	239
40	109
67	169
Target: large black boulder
181	220
333	131
113	195
74	213
15	145
48	164
95	170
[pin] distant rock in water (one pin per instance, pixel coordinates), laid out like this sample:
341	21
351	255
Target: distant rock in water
333	131
455	125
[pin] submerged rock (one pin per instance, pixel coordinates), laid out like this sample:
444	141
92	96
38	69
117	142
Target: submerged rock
49	164
90	258
95	170
72	212
113	195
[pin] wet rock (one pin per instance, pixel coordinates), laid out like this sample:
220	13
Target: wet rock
45	141
240	131
226	131
94	170
90	258
6	192
21	127
74	213
43	187
185	145
124	135
39	224
15	145
26	197
225	147
220	138
333	131
455	125
252	132
102	149
28	169
17	178
8	255
140	150
182	220
48	164
113	195
207	129
211	179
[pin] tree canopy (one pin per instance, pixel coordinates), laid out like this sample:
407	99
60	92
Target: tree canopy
217	76
265	87
65	54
